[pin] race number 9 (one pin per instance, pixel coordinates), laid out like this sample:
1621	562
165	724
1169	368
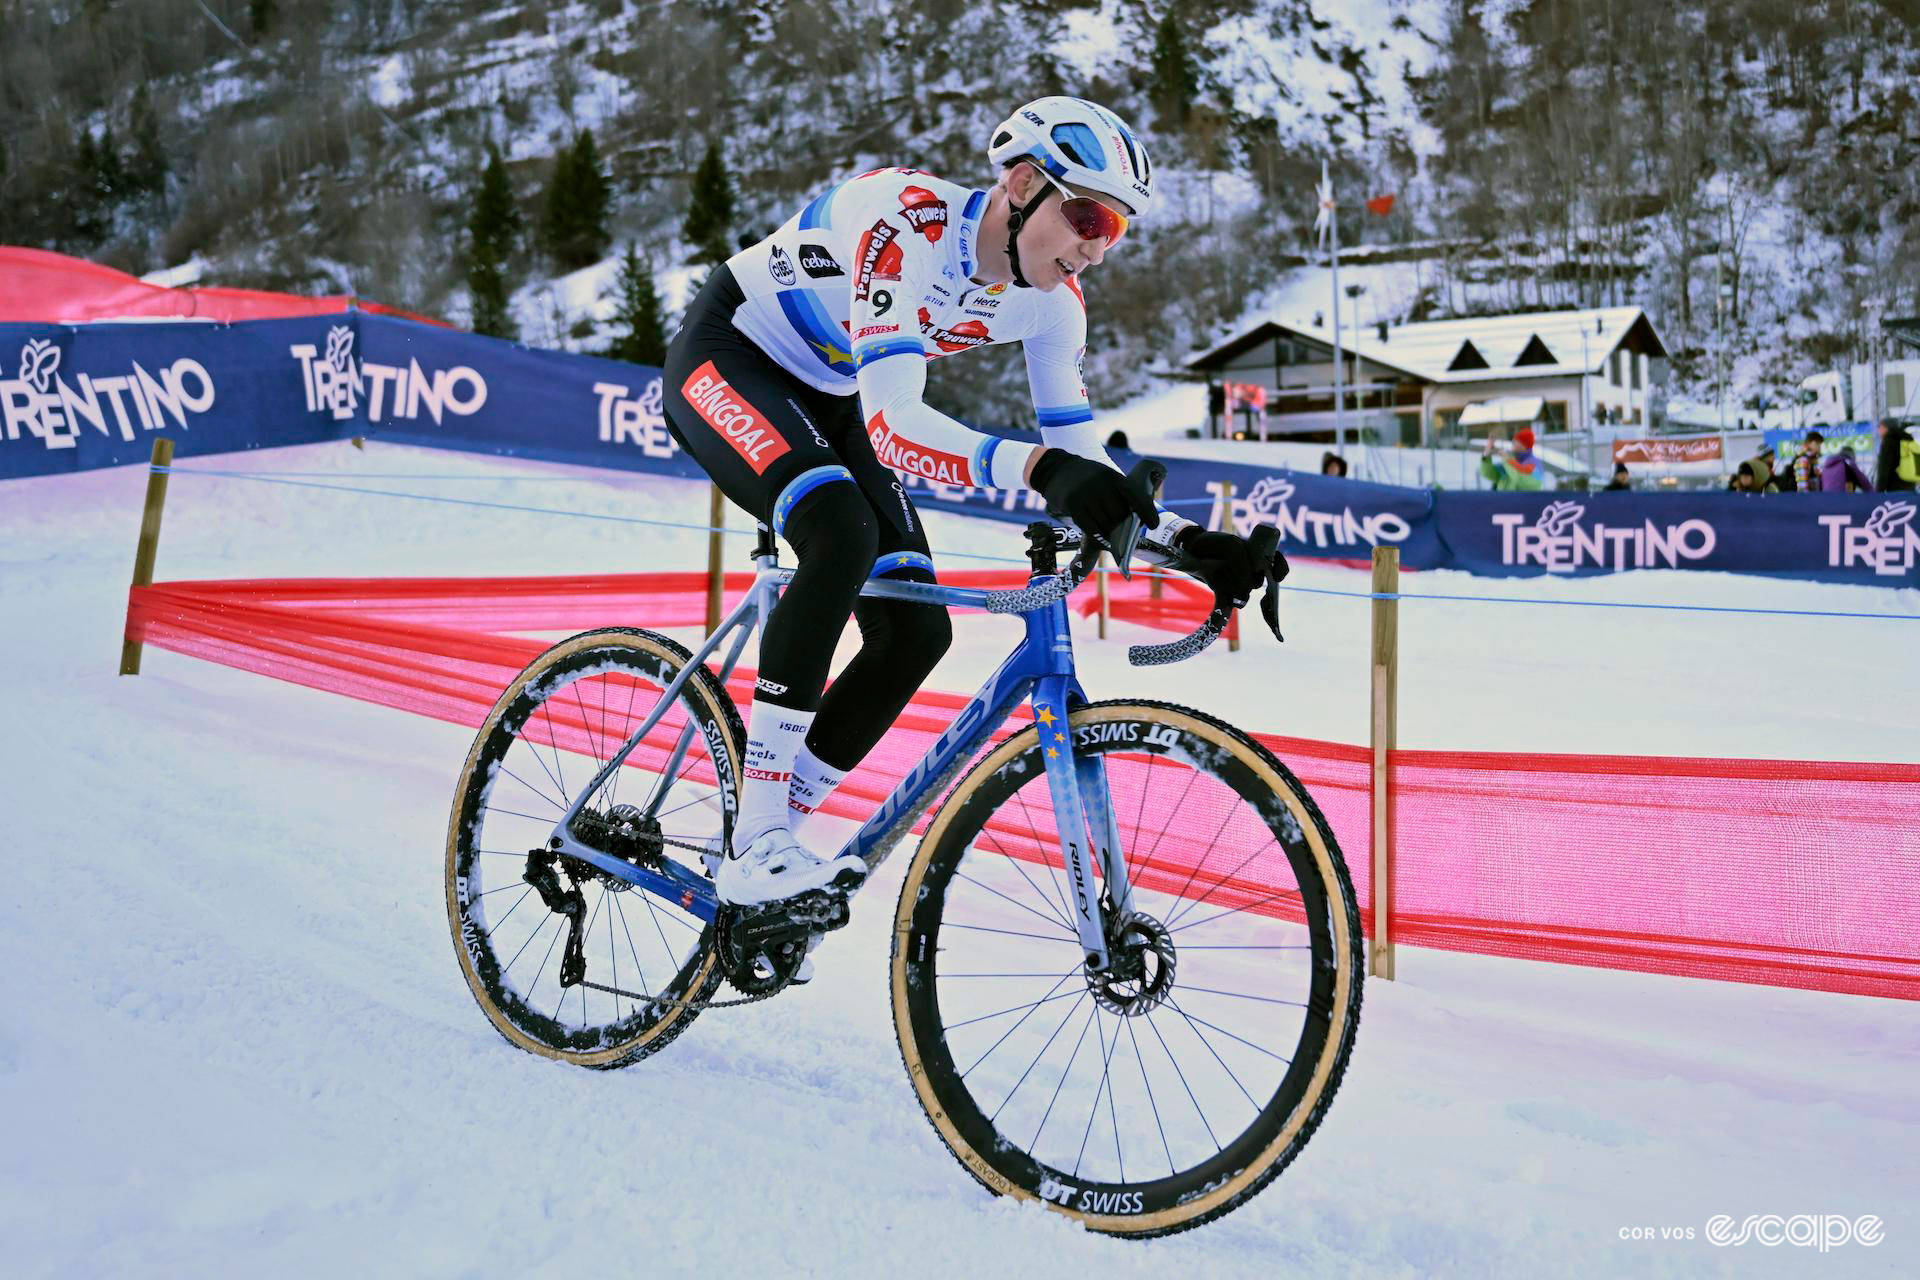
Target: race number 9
882	302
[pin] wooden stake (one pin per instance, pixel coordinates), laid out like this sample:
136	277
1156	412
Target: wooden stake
148	548
716	520
1100	563
1226	522
1153	575
1386	681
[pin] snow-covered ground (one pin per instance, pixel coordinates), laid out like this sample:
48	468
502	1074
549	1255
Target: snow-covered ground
236	1041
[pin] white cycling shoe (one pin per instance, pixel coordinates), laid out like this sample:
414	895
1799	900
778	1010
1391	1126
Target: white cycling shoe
774	865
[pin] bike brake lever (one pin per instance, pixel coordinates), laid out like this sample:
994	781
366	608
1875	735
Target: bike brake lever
1264	543
1145	477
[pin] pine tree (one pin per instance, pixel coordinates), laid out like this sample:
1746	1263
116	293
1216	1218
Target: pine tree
109	174
147	169
557	213
88	222
1175	80
644	336
593	198
709	219
260	15
493	230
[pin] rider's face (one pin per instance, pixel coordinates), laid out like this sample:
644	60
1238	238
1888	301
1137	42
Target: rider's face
1050	250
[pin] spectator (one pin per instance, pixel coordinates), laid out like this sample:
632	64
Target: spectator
1118	440
1332	464
1620	479
1840	474
1806	464
1898	466
1520	469
1754	476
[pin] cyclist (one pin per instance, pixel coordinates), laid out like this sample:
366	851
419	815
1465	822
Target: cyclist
796	382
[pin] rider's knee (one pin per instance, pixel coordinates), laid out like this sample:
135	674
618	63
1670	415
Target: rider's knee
917	634
827	519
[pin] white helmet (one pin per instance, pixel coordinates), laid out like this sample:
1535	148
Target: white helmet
1080	143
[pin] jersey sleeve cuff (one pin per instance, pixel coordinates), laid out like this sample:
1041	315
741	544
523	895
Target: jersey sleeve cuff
1007	467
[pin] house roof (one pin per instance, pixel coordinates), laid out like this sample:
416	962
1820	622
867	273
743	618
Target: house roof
1538	344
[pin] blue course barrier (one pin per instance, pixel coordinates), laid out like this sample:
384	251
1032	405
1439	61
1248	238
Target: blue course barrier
76	398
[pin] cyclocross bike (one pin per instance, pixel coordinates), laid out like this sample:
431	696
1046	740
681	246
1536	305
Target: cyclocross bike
1126	960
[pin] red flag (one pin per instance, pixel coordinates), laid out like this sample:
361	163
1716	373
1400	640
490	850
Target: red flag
1382	205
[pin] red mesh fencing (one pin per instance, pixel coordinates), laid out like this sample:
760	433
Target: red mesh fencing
1790	873
38	286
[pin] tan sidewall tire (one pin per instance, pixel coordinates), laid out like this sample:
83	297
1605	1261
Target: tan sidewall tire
676	1019
1347	973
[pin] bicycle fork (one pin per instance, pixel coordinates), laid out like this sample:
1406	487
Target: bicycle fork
1083	810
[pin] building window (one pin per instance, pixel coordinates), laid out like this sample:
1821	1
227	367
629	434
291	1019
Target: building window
1613	369
1896	393
1635	417
1633	365
1556	415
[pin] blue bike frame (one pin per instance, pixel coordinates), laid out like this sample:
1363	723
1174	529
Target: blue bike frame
1040	667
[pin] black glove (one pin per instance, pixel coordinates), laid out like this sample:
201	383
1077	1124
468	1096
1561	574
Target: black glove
1096	498
1227	564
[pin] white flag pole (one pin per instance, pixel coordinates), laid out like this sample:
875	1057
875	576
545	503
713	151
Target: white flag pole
1327	222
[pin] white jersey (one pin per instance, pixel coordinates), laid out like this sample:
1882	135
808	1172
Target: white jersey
874	278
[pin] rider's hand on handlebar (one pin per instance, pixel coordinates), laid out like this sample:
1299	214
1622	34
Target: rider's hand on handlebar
1096	498
1227	564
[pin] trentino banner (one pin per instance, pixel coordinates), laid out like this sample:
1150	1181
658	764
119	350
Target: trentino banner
74	398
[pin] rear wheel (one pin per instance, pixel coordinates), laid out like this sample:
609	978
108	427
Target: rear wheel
1170	1090
550	733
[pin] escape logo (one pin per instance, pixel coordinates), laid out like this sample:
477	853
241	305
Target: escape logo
1271	498
48	406
1887	543
1560	541
335	384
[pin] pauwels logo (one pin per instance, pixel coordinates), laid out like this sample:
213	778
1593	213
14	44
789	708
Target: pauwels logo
968	333
1560	541
1887	542
1271	498
751	436
924	212
903	455
50	407
879	257
392	391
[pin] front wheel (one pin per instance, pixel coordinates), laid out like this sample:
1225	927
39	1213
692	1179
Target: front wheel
1152	1100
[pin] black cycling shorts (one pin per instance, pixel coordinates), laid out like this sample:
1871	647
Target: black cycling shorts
768	439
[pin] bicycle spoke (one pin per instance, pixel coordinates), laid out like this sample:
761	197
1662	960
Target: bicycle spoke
1173	1062
1001	1013
1242	1039
1271	841
1106	1065
1011	933
1234	911
996	893
1147	1084
1140	815
557	804
1207	853
523	946
1241	995
1192	777
1175	1006
1015	1027
1052	878
1071	1059
553	741
1064	1020
510	910
1045	901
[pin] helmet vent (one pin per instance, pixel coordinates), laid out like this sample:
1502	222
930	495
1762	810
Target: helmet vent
1002	138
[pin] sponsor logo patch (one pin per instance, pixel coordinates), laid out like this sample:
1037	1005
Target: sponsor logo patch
968	333
780	266
904	455
924	212
870	330
727	412
879	257
818	263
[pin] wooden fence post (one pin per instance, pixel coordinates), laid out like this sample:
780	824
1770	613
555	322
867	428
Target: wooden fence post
1100	563
1226	522
1153	575
1386	680
149	546
716	579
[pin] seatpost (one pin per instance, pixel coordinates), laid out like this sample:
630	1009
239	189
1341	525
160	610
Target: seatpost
764	547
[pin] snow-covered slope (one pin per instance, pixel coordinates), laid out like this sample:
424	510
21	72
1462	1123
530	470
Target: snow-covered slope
236	1042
